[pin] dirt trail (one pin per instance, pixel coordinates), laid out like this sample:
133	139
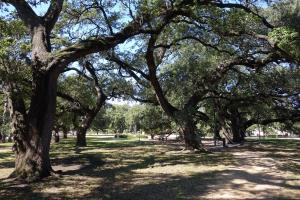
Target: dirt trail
259	174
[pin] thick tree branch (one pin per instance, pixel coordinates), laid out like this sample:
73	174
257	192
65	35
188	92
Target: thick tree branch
52	14
25	12
149	101
97	44
93	45
152	67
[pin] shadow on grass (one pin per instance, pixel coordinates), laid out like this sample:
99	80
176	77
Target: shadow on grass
92	159
11	189
156	187
120	180
7	154
7	164
117	143
291	167
188	187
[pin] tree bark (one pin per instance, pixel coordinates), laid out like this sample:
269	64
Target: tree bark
81	137
192	140
85	125
32	131
236	127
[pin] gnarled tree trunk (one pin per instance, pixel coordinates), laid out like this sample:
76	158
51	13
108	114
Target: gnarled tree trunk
83	128
32	131
238	133
191	138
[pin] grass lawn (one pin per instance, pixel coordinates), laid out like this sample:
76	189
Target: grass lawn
129	169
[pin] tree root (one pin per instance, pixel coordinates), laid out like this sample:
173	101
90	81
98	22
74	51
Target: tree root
30	177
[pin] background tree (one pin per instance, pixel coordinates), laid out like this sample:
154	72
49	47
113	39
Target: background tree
246	97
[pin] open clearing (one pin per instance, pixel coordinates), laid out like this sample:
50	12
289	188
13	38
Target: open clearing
129	169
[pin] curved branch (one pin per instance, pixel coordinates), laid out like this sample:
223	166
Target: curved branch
152	67
25	12
93	45
76	102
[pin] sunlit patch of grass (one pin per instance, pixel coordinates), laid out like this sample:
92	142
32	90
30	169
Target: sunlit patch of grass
6	159
6	145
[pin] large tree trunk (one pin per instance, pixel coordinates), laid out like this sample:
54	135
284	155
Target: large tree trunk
236	137
83	128
81	137
189	128
238	133
191	138
32	132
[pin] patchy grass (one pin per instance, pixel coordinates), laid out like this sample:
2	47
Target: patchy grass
128	169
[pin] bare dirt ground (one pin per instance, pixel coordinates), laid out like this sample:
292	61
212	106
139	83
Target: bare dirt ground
131	170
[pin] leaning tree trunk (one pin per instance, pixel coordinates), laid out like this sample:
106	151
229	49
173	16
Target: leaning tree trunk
32	131
90	116
182	119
